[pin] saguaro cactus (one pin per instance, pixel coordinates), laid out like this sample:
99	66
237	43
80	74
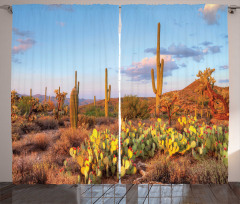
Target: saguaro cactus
74	104
45	94
107	93
30	92
160	67
94	102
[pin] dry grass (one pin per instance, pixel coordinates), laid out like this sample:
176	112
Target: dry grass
28	169
47	123
110	124
22	127
86	121
32	143
41	141
184	169
70	138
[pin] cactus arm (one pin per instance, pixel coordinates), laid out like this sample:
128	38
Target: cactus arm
74	103
153	82
75	79
109	93
106	82
161	78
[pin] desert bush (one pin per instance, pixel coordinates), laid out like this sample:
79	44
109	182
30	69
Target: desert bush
113	110
39	172
86	121
47	123
94	111
16	131
105	121
41	141
24	105
132	107
27	127
27	169
70	138
185	169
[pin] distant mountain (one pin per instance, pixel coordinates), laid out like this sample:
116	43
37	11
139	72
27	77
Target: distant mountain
67	100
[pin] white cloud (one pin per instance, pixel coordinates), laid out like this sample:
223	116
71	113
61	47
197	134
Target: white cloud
210	13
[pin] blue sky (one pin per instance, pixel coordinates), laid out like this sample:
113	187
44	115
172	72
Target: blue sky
50	42
193	37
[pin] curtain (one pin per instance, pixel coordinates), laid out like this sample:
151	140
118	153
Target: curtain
168	64
175	92
65	94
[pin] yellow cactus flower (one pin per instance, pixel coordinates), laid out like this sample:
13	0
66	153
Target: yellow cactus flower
159	120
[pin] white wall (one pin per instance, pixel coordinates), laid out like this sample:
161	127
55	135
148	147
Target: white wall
5	76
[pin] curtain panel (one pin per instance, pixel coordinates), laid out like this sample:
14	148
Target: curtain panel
95	104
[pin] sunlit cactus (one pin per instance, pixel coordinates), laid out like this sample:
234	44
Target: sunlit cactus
60	97
94	102
160	67
207	84
74	104
107	93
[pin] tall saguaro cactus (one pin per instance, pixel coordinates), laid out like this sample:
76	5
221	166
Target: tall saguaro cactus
94	101
160	67
107	93
30	92
74	104
45	94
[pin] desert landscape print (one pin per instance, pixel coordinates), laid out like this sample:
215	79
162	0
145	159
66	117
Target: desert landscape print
174	95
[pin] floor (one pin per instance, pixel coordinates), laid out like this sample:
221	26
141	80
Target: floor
120	193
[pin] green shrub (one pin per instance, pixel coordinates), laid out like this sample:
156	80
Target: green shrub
24	105
134	107
94	111
87	121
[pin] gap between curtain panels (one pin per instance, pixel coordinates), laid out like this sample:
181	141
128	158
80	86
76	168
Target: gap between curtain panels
119	95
